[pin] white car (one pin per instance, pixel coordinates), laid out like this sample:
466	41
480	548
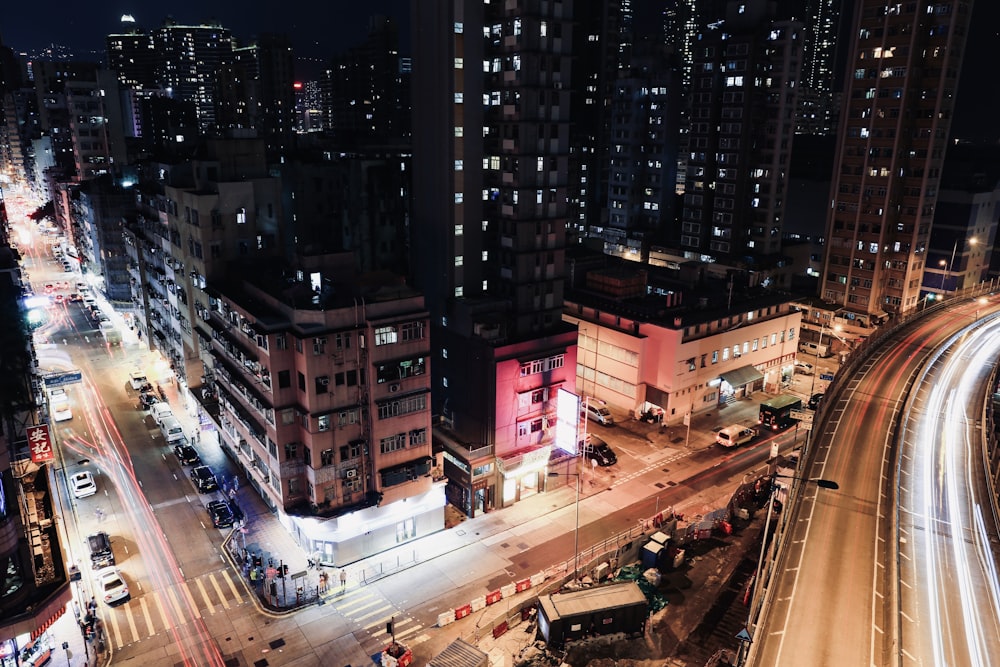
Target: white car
61	411
803	368
111	586
82	484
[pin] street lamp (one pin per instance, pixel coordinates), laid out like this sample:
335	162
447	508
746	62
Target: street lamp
576	531
819	347
821	483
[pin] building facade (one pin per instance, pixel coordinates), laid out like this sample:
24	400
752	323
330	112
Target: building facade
323	392
894	130
488	230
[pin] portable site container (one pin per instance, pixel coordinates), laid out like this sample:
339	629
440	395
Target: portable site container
603	610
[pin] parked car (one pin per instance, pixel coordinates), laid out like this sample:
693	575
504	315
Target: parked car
803	368
111	586
814	400
99	545
600	451
222	516
187	455
82	484
147	400
599	414
203	479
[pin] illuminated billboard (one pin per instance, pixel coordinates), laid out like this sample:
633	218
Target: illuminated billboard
567	421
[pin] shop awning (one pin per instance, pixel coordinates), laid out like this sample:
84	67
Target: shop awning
741	376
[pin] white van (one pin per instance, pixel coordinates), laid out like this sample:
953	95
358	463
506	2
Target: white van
161	411
172	430
137	379
735	435
599	414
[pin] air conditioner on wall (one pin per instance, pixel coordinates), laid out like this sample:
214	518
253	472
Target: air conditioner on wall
394	387
352	473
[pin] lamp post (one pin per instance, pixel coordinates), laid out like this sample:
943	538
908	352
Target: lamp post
576	531
757	588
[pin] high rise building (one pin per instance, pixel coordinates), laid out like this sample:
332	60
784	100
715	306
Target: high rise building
188	60
893	133
645	111
365	91
132	55
817	106
740	136
257	90
490	147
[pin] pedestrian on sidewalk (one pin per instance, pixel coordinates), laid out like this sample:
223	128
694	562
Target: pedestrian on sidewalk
343	578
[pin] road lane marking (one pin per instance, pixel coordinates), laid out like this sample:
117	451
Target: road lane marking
131	623
117	630
218	591
204	596
372	613
190	599
167	623
146	614
236	593
175	605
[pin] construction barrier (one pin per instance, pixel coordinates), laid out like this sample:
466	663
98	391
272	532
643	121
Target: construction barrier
446	618
462	612
523	585
493	598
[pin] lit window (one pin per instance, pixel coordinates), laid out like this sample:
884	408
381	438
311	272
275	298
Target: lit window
459	63
458	291
459	260
459	131
459	98
459	230
459	197
486	255
241	216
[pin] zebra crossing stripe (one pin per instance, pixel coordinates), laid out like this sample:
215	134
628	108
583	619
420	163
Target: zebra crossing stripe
215	585
117	630
170	592
204	595
236	594
159	604
131	622
186	590
145	613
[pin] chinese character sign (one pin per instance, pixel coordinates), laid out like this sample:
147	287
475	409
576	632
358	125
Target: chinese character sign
40	444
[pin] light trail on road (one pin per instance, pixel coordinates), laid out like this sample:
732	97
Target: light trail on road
949	611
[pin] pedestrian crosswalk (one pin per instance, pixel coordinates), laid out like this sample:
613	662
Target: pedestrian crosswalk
368	612
156	611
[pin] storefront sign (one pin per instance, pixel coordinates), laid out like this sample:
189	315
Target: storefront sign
40	443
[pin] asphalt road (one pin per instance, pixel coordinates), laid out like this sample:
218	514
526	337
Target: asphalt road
833	599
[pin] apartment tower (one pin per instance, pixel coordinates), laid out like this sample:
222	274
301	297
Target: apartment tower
894	127
490	163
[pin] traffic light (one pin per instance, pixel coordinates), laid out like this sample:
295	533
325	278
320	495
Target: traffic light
284	570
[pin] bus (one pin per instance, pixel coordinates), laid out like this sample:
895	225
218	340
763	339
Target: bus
776	413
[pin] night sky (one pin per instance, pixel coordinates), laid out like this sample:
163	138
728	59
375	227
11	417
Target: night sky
322	29
318	29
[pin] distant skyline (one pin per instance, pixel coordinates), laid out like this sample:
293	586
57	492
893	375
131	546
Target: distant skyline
325	29
318	31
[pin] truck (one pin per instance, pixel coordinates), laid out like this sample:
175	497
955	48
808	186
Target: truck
776	413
